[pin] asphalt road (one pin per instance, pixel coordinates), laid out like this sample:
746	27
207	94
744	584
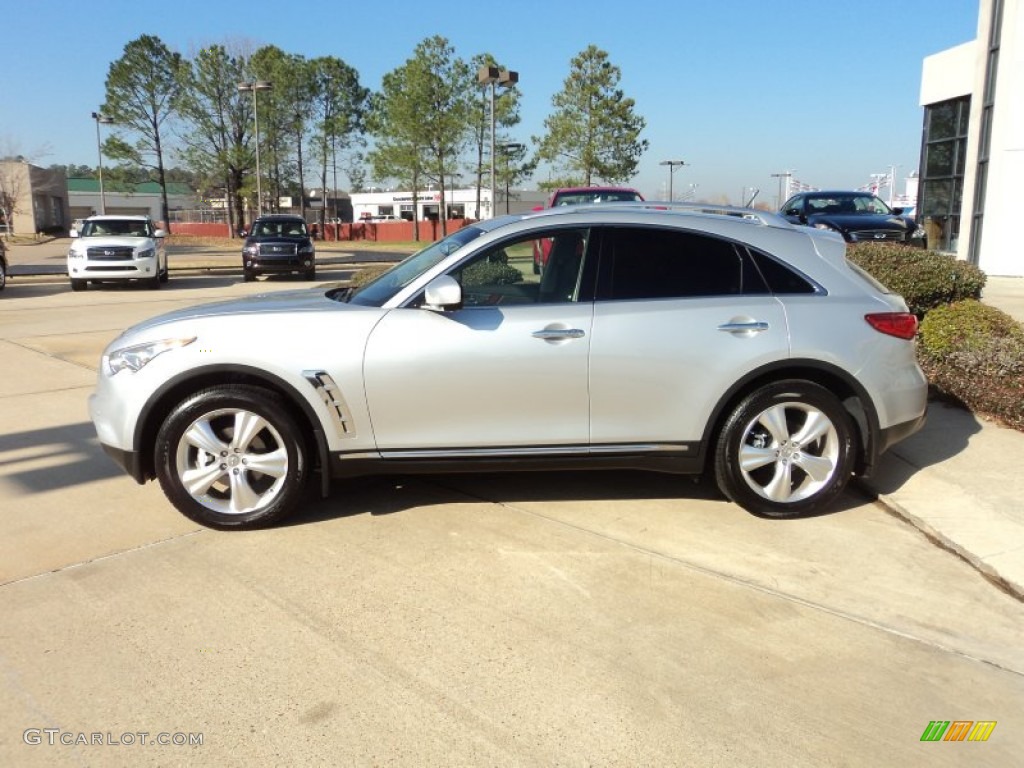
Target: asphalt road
552	619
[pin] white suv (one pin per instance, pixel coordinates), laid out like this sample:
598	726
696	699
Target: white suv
111	248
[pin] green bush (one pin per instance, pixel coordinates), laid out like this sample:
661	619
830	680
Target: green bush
368	274
975	354
490	273
925	279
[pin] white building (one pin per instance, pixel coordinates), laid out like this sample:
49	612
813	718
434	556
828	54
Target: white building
461	204
972	156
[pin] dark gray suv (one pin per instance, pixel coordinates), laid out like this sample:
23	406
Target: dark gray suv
278	244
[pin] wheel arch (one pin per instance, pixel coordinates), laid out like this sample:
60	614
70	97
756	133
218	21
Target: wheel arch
852	394
177	389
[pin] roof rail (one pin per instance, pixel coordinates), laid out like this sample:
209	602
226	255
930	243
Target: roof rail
764	218
750	214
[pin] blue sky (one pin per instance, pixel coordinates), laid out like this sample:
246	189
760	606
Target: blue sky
738	89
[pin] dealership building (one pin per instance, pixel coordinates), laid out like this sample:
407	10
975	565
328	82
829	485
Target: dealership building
972	153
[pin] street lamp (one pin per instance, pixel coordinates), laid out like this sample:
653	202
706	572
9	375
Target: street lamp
99	117
256	85
507	148
493	76
672	165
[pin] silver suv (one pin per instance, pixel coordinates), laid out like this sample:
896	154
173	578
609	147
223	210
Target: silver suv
658	336
110	248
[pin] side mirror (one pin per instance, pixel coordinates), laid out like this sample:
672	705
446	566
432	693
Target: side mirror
898	211
73	233
443	294
160	233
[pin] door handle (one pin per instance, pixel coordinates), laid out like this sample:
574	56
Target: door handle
559	334
754	326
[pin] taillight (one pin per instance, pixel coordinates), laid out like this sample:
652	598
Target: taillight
902	325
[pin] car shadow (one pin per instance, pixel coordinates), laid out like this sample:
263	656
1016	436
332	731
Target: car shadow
946	433
387	495
54	458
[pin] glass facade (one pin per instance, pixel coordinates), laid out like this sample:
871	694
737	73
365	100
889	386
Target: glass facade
944	153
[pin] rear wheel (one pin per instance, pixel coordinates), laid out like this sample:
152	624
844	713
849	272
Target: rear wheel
232	457
3	276
786	450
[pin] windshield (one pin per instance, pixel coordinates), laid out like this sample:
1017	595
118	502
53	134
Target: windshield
117	227
279	229
846	204
376	293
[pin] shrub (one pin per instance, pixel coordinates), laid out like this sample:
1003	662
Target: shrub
368	274
925	279
490	273
975	354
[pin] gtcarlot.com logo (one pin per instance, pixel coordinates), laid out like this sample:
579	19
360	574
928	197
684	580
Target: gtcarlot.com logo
54	736
958	730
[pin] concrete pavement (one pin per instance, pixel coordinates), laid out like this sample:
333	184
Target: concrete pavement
957	481
550	619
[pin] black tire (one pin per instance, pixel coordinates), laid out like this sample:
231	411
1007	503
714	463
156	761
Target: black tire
198	438
310	274
154	282
3	276
78	285
773	438
166	274
248	277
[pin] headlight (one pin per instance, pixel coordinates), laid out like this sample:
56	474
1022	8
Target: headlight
919	234
251	250
73	254
306	249
134	358
147	254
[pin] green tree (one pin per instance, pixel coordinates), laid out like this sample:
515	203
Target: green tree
142	90
594	132
214	144
420	119
506	116
339	106
284	119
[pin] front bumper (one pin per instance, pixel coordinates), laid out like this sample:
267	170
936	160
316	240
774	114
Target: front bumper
265	264
137	269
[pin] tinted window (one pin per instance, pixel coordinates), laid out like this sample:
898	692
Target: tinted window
665	263
779	277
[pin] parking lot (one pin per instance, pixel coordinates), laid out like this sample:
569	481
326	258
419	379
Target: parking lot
553	619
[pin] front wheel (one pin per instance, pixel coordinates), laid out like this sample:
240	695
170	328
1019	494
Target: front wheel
232	457
786	450
78	285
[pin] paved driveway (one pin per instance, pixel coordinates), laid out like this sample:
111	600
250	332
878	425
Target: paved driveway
561	619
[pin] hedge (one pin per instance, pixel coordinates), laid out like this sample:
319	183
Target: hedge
925	279
975	353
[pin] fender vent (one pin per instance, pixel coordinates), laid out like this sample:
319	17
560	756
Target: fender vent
331	395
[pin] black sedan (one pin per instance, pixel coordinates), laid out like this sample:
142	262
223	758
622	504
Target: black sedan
857	216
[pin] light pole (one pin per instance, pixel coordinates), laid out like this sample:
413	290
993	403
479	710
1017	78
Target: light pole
672	165
507	147
256	85
99	117
493	76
